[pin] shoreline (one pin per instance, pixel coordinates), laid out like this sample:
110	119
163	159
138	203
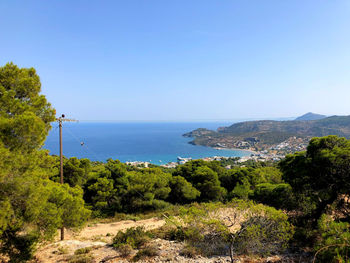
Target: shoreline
234	149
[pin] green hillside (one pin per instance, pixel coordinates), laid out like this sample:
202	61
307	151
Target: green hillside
266	133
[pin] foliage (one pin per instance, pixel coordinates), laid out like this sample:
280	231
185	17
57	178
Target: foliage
134	237
148	251
321	174
250	177
203	178
241	190
61	250
32	207
334	242
49	207
148	188
189	251
276	195
212	227
25	115
83	250
263	234
81	258
125	250
19	248
76	171
116	188
181	191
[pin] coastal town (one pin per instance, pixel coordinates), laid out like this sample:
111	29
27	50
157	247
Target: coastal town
272	154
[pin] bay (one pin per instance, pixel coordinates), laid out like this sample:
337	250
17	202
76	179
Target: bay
155	142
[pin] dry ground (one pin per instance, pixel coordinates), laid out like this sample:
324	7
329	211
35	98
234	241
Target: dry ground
99	236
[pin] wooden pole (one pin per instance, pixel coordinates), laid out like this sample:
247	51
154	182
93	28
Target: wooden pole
60	121
61	165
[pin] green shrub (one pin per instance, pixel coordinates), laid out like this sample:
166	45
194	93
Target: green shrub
189	251
212	228
167	232
334	242
81	259
146	252
62	250
191	234
265	230
125	250
135	237
84	250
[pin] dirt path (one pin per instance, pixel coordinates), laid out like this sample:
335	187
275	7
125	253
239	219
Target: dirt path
97	235
109	230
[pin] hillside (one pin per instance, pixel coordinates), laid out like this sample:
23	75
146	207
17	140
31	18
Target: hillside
261	135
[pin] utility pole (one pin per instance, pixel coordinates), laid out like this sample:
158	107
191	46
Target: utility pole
60	120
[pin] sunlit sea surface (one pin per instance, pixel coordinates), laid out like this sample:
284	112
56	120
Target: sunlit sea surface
158	143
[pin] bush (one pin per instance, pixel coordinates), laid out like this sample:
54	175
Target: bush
62	250
167	232
334	242
146	252
81	259
189	251
212	228
84	250
135	237
125	250
262	235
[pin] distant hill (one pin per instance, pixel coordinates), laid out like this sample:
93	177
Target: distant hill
263	134
310	117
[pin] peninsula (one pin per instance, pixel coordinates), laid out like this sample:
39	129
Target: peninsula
279	137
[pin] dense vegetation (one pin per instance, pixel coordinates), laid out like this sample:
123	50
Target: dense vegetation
32	207
312	189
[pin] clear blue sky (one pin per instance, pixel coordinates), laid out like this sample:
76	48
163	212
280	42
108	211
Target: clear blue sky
183	60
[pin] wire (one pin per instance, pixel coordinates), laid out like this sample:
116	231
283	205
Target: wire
79	141
98	158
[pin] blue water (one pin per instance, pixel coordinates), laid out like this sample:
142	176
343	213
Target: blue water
157	143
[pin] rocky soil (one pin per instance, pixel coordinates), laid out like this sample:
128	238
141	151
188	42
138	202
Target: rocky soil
98	237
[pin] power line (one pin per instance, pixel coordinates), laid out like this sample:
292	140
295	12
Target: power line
83	143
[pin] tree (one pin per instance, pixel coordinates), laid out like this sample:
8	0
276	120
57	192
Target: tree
25	115
181	191
32	206
321	174
203	178
276	195
207	182
76	171
148	189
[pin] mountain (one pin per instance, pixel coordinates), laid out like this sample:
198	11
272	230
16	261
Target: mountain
310	117
260	135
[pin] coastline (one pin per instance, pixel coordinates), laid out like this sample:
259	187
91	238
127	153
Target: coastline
235	149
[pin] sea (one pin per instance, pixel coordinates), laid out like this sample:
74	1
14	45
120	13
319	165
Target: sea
154	142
